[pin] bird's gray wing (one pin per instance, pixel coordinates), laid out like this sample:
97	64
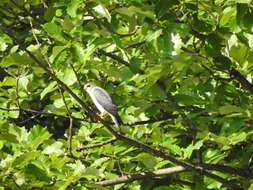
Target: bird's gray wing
104	99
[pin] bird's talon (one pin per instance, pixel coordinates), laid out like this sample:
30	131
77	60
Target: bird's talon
102	115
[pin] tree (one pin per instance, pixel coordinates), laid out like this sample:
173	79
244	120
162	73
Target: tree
180	72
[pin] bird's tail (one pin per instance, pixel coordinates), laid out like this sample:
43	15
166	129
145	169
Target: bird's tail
117	120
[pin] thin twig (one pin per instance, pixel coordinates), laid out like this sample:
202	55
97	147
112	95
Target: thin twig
153	120
70	119
113	56
78	79
40	113
26	120
117	58
136	44
193	130
97	145
34	35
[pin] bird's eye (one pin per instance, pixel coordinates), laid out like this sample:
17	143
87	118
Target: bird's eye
88	85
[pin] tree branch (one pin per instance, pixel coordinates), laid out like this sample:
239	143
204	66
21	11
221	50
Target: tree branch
119	136
160	153
153	120
143	175
38	113
86	108
234	74
136	44
241	79
246	173
113	56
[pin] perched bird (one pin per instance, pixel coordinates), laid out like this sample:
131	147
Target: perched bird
103	102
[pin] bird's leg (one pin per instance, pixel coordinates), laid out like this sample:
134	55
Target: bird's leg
100	116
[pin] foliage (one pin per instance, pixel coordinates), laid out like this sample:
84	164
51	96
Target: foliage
180	72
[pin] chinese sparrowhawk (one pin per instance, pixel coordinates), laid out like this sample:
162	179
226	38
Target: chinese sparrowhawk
103	102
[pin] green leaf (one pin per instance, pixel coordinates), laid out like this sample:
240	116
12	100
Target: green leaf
214	156
57	50
188	151
50	88
228	109
243	1
91	172
10	138
25	158
37	136
88	52
103	12
72	7
148	160
251	187
187	99
15	59
239	53
68	77
23	82
55	31
125	11
172	146
237	137
55	148
14	113
38	173
227	14
145	11
8	81
153	35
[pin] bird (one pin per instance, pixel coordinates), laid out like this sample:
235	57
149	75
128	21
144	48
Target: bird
103	102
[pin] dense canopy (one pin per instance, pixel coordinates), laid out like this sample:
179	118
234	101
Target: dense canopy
180	72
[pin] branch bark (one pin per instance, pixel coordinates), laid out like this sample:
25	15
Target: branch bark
160	153
246	173
143	175
241	79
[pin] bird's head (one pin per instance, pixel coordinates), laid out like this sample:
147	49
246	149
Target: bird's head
87	87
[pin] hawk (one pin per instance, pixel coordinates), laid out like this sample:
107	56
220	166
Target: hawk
103	102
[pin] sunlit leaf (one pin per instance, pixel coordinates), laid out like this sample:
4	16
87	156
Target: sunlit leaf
101	10
37	136
50	88
23	82
55	148
72	8
25	158
54	30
